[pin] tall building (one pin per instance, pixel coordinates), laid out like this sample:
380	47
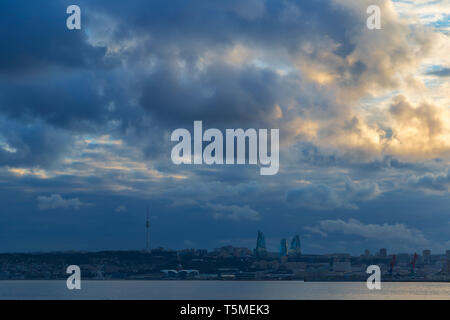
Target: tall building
283	248
295	245
383	252
260	250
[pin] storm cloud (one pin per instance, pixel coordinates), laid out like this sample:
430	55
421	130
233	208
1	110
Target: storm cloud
86	116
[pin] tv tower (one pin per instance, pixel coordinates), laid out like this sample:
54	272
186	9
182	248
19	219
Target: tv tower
147	226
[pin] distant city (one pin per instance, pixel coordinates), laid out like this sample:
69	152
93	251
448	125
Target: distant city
227	263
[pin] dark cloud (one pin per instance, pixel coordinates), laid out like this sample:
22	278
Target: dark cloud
274	23
444	72
35	38
219	97
323	197
32	145
398	236
362	191
65	100
430	181
158	84
318	197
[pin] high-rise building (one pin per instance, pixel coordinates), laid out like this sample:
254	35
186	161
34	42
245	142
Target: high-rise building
383	252
366	253
295	245
260	250
283	248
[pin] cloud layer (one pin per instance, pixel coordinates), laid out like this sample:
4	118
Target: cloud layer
363	114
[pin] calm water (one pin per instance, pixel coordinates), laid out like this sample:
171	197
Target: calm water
200	290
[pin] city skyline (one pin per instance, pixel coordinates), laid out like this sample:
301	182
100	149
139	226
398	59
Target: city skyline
261	249
228	263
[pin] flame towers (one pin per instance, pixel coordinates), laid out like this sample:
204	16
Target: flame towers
295	245
283	248
260	250
294	249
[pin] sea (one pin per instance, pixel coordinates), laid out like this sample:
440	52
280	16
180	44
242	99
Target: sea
221	290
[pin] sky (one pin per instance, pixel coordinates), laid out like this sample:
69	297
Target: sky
86	117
